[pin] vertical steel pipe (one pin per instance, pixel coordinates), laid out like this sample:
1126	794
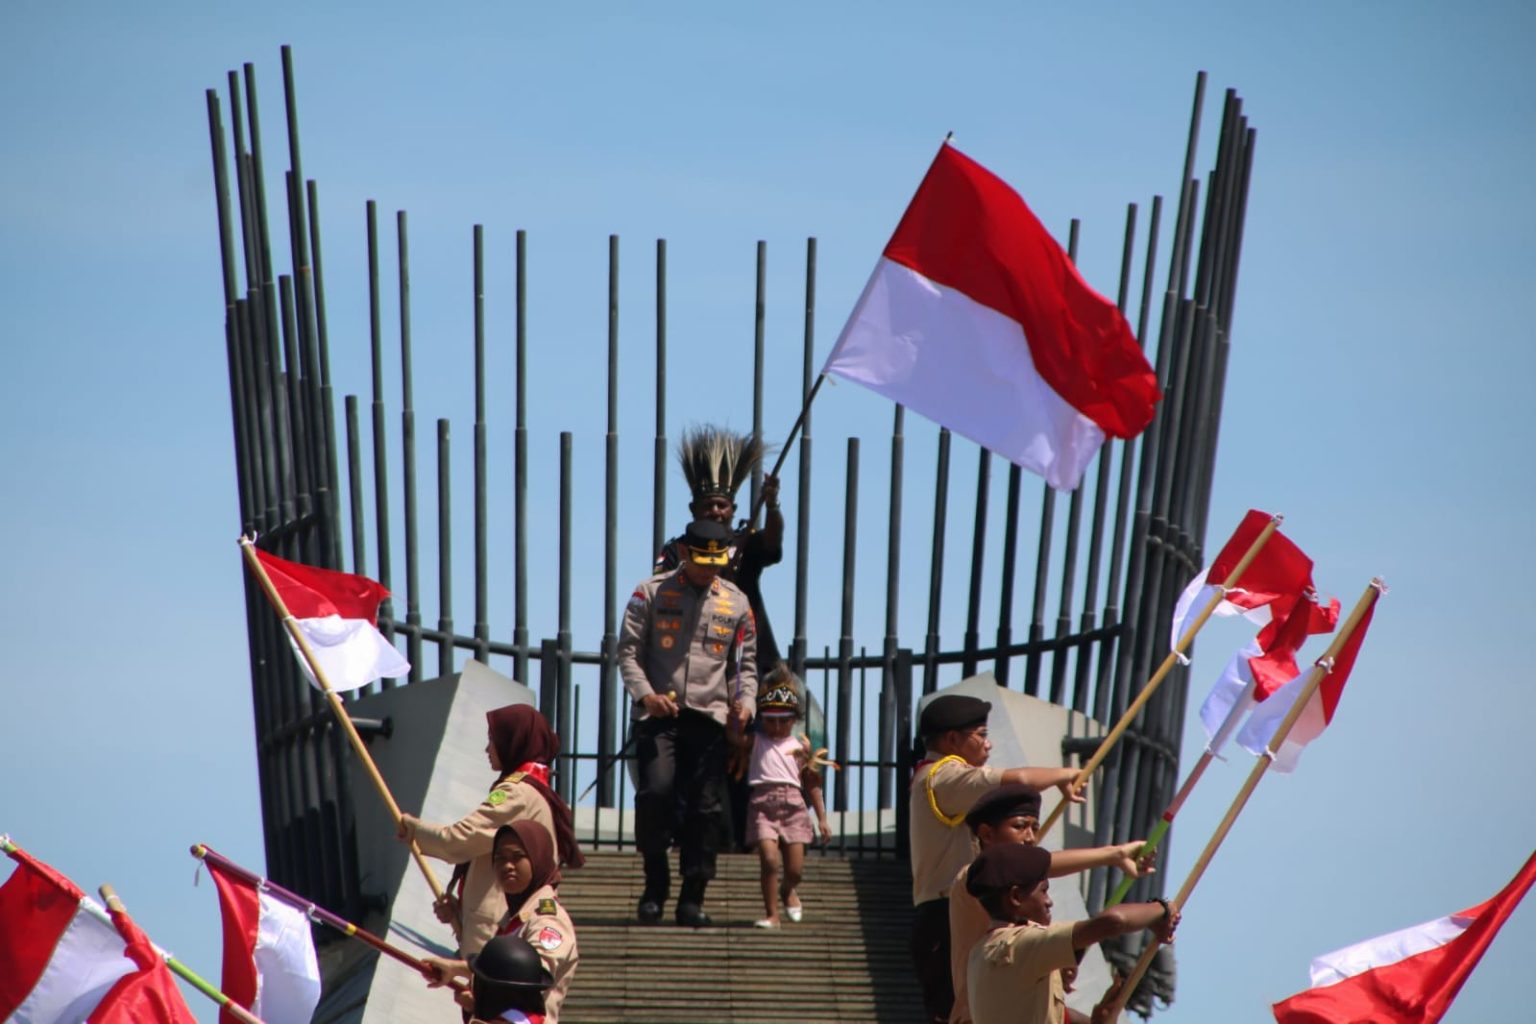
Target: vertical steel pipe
798	646
408	456
758	318
607	686
936	565
380	446
520	471
482	523
888	696
978	562
659	447
444	554
845	639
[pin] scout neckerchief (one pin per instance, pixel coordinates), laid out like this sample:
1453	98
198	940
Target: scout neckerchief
948	821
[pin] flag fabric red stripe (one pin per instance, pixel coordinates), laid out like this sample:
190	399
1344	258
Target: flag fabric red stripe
1332	687
968	230
1281	569
36	905
1280	640
313	593
1416	989
147	996
240	910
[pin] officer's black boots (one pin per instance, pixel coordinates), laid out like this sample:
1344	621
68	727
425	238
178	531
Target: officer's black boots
690	910
658	885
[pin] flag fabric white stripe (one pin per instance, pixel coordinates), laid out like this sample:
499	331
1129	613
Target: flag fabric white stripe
962	364
287	972
1195	597
351	652
1266	718
1331	968
1230	698
87	961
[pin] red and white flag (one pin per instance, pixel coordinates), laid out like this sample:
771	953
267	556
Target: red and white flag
976	318
269	954
1261	727
1407	977
62	959
338	614
1264	664
1280	570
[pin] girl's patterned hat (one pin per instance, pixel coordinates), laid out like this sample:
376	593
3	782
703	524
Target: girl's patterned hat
779	702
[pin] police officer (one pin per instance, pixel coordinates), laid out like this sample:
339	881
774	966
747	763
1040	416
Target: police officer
716	462
687	655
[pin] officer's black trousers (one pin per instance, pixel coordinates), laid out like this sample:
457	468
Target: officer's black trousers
930	958
681	790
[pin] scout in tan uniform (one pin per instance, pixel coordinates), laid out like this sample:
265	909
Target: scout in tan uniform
520	748
1014	971
688	657
946	784
1011	814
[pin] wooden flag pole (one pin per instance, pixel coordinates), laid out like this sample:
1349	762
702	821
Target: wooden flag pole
337	708
1113	737
1165	821
1323	666
228	1005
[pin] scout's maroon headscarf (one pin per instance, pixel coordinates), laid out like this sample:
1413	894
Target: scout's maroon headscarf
530	835
524	742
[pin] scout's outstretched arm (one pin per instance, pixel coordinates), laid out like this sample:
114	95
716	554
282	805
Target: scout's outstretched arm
1160	918
1045	778
1121	856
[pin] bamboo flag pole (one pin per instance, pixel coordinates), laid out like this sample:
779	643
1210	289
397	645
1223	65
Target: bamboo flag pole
1323	666
1173	658
340	711
1166	821
240	1013
313	911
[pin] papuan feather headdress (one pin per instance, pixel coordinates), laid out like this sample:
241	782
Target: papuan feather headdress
717	461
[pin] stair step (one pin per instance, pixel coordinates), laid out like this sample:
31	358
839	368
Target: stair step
847	961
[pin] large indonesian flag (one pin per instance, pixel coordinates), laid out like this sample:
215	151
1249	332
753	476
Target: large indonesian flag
269	955
337	612
64	961
1407	977
1262	726
977	319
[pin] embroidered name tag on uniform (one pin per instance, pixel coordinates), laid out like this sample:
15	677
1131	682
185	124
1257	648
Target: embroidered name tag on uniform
548	938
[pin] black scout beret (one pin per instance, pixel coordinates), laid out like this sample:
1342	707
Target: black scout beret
952	711
1004	802
1005	865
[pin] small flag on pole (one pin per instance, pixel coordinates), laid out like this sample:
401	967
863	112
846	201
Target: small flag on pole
1264	664
1281	570
338	614
62	959
270	966
976	318
1407	977
1262	725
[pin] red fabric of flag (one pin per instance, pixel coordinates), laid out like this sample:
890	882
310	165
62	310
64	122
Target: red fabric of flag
36	905
1295	619
1408	977
312	593
1280	570
147	996
240	910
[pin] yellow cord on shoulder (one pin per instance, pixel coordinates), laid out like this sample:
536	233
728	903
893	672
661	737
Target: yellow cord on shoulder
933	801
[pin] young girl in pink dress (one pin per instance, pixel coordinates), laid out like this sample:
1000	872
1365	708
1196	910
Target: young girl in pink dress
781	772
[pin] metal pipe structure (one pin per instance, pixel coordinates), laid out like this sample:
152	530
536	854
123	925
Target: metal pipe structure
1130	537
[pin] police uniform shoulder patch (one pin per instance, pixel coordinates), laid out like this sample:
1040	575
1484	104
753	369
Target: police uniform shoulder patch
548	938
497	797
547	906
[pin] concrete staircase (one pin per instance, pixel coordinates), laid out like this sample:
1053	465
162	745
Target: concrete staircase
847	961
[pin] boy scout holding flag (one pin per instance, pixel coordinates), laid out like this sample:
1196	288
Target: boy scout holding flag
951	777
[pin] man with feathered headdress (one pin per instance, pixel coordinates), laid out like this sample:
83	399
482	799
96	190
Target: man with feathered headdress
716	462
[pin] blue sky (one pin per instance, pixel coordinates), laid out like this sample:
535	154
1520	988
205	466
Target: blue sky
1382	353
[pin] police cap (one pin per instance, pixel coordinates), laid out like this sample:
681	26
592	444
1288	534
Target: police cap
708	542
